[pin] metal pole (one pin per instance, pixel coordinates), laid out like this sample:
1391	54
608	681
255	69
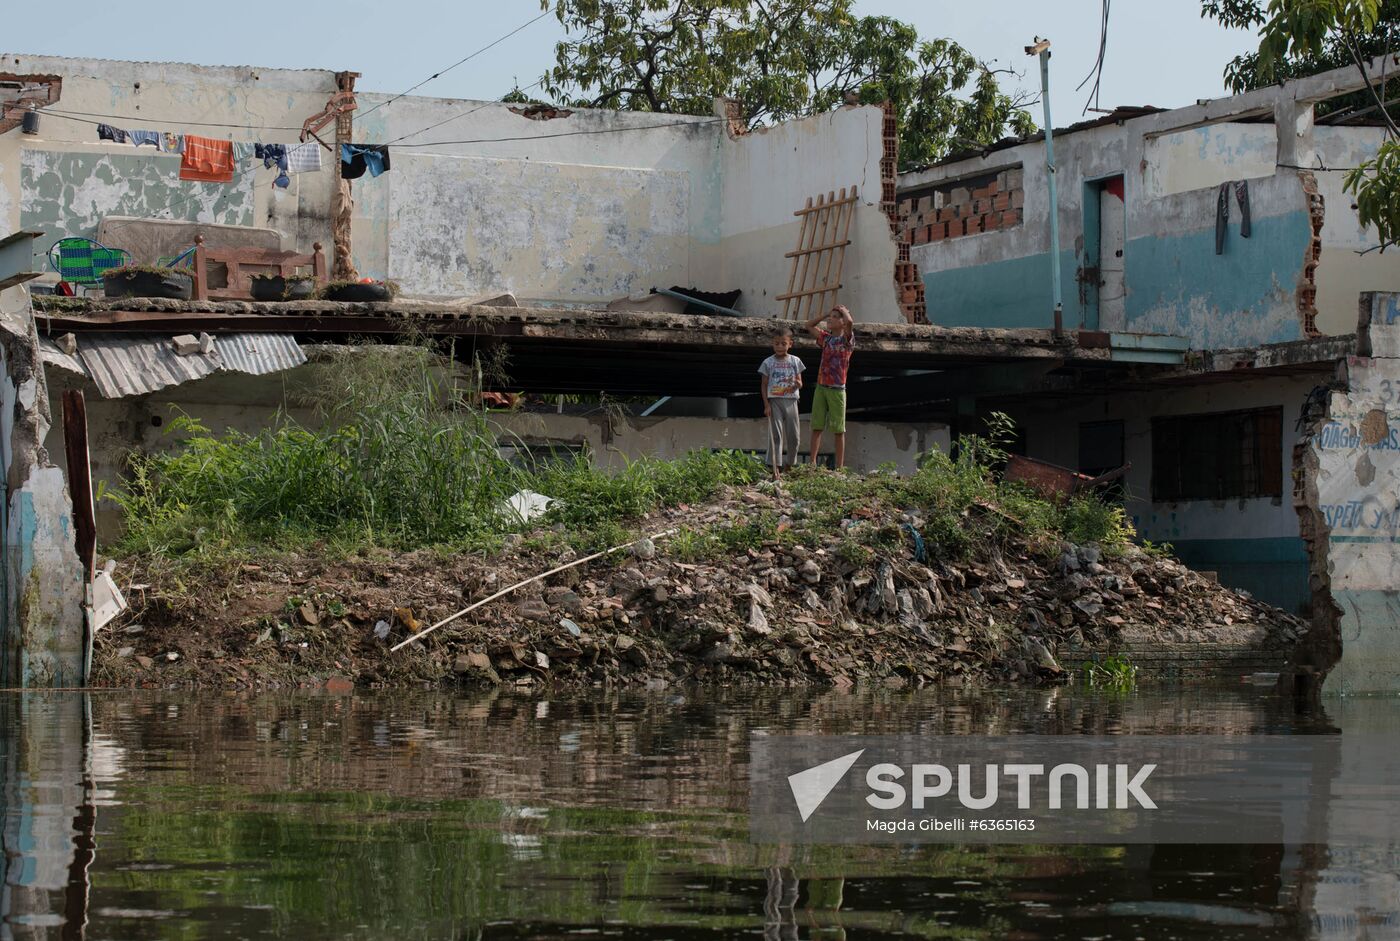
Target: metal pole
1042	49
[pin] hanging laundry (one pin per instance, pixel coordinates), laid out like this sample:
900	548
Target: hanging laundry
145	137
1222	212
107	132
304	159
172	143
207	159
1242	194
355	159
243	151
274	155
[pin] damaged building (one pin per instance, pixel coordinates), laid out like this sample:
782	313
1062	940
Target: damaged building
1210	340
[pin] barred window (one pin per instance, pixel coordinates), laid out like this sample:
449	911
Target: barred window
1219	456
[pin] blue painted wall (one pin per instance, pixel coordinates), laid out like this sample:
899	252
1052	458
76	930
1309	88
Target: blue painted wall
1011	293
1243	297
1176	284
1272	569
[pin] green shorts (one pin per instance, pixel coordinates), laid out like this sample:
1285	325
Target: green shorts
829	410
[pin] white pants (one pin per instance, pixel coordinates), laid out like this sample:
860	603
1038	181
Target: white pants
782	432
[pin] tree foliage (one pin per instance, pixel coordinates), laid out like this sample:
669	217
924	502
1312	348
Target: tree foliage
1304	37
779	59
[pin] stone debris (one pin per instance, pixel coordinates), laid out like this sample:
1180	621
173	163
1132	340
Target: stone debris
781	611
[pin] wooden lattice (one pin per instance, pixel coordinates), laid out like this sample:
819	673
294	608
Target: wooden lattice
815	279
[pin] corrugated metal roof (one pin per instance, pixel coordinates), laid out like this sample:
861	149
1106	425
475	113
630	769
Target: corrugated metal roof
123	364
259	353
53	355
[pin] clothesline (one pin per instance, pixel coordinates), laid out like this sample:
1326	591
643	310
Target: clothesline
215	160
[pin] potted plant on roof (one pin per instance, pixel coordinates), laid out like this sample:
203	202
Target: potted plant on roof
366	289
276	287
147	281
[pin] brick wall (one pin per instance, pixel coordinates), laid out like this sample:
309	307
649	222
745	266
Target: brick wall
965	207
909	287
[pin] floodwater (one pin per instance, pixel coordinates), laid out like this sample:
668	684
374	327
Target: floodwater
204	815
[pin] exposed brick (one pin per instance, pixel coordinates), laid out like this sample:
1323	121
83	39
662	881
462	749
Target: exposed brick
1018	198
938	232
1001	202
921	235
1009	218
991	221
947	214
974	225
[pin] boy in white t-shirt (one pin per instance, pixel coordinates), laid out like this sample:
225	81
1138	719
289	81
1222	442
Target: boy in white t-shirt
780	385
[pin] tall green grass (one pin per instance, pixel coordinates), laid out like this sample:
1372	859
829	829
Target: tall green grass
398	459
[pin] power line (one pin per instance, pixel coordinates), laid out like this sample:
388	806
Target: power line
1096	73
465	58
462	115
81	115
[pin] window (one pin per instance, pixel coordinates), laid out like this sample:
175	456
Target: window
1101	451
1219	456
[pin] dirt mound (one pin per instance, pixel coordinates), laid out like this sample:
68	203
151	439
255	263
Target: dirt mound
781	610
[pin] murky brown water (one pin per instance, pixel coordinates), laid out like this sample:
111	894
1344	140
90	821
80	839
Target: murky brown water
434	816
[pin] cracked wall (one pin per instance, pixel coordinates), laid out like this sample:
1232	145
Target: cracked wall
41	585
1348	496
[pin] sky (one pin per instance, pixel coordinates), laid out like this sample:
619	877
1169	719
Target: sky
1160	52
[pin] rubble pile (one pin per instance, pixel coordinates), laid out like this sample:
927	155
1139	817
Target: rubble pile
783	611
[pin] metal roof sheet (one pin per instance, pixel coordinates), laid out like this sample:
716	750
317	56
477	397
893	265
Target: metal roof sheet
123	364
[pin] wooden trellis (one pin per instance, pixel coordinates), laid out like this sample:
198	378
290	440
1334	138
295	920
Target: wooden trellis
815	279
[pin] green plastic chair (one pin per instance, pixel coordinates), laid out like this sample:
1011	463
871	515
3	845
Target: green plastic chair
183	260
83	261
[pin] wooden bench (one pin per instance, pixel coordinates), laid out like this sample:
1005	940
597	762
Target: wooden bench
242	263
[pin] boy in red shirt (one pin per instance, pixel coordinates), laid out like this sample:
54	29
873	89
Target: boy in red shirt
837	341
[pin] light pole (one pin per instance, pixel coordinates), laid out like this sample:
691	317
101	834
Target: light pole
1041	48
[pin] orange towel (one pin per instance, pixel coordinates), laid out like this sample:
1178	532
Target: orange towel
207	159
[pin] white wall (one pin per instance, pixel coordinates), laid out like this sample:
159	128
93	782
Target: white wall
579	209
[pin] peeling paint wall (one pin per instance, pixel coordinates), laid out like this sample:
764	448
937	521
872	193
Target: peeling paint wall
64	180
1352	495
1259	290
42	622
578	209
546	231
68	193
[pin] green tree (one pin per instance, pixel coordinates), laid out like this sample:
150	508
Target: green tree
1304	37
780	59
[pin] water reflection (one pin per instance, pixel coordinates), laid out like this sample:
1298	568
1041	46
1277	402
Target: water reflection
216	816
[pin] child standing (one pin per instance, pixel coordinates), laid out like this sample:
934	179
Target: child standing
838	341
780	385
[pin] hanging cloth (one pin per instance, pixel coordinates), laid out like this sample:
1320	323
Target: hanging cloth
207	159
305	158
172	143
1222	212
274	155
355	159
145	137
242	151
107	132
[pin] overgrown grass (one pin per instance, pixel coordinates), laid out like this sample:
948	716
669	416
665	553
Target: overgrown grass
400	460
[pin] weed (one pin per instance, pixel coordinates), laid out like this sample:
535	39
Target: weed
1113	673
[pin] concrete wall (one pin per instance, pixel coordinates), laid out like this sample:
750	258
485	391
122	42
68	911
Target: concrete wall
579	209
1252	543
64	180
770	173
41	580
1353	467
1256	292
868	444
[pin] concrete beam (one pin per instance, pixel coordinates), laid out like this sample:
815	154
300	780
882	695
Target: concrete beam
1299	93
